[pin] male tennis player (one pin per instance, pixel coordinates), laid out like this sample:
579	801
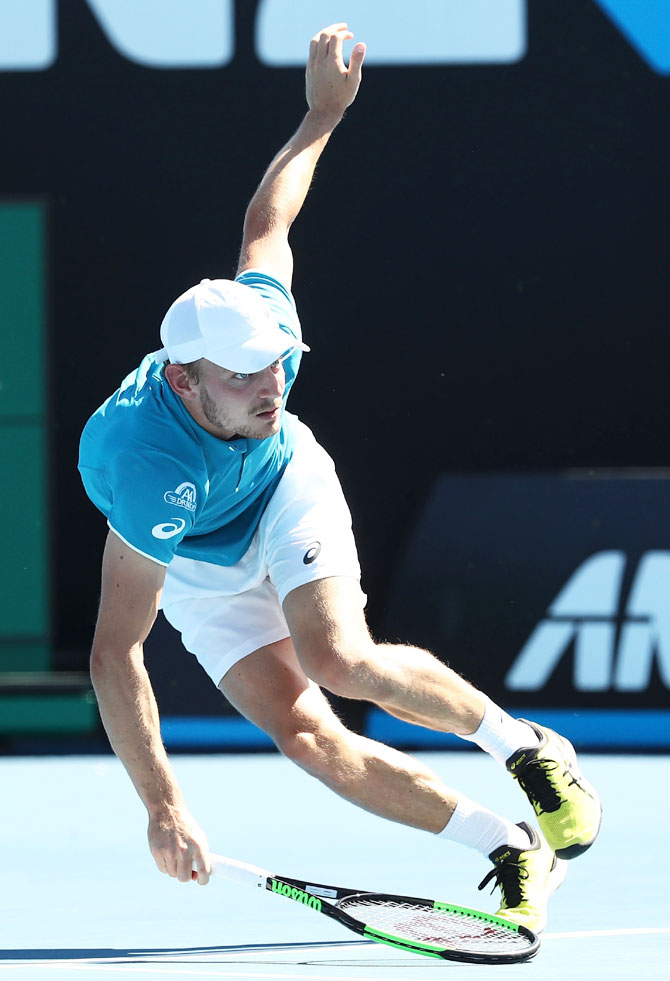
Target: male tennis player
224	511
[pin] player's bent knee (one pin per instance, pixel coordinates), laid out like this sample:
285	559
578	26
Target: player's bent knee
347	670
314	751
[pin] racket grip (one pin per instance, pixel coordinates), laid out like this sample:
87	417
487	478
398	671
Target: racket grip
229	868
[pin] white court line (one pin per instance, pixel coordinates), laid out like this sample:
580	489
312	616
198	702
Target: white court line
587	934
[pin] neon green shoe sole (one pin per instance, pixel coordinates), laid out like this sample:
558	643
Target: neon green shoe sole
527	879
567	807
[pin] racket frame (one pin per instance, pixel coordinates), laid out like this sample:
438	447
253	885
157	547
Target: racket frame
325	899
306	893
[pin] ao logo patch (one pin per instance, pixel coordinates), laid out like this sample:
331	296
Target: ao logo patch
182	496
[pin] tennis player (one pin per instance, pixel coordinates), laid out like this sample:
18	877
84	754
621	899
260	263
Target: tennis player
225	512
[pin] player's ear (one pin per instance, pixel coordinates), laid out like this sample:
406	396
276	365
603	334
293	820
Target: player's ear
180	381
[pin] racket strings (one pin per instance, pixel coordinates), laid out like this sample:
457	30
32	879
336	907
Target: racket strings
439	928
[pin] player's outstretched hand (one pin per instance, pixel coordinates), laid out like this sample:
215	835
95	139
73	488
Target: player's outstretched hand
330	85
179	845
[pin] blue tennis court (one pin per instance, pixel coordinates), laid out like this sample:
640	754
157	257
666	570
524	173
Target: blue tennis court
81	897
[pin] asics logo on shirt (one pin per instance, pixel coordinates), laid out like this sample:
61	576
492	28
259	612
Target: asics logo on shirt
183	496
169	529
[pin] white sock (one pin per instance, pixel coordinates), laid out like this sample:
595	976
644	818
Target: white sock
479	828
500	735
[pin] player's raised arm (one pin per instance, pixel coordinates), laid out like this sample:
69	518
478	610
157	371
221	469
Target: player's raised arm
331	87
131	589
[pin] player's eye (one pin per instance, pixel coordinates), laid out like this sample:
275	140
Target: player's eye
243	375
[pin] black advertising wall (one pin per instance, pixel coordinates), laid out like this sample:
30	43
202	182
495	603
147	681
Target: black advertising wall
481	272
550	590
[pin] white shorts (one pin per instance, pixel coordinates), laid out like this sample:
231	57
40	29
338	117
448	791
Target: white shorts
226	612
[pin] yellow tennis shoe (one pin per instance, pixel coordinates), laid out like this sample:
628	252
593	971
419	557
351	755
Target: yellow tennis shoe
526	879
567	807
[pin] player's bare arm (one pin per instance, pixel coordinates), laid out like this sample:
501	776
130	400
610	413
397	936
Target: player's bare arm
331	87
131	589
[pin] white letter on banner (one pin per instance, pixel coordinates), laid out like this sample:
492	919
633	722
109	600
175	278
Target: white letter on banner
192	34
398	32
646	634
27	35
594	589
592	593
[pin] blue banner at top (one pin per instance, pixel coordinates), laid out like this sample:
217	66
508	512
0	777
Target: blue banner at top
646	24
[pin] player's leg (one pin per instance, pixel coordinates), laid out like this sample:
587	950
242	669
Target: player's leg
270	688
243	638
335	649
311	558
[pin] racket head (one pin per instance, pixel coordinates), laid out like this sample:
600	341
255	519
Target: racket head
440	929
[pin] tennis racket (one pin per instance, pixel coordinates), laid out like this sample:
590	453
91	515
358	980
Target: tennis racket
421	926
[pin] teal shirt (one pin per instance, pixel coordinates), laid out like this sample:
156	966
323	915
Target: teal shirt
166	485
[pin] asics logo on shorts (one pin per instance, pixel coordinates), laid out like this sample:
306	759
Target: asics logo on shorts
169	529
312	553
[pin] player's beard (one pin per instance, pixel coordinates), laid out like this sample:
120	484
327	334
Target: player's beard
217	417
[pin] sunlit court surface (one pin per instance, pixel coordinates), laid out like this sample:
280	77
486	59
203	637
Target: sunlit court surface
81	897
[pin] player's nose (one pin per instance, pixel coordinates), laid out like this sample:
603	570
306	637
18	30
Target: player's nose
273	381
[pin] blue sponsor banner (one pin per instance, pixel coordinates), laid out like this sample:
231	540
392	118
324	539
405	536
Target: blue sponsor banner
588	729
646	25
212	732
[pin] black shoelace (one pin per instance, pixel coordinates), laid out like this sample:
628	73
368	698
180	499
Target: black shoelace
509	876
535	780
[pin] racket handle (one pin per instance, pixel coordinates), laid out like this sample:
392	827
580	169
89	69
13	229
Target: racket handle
229	868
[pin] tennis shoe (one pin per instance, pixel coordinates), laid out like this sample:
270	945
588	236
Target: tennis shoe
526	879
567	807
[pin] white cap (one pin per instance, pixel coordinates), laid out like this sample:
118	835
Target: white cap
226	322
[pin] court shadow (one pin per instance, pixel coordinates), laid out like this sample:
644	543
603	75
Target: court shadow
163	954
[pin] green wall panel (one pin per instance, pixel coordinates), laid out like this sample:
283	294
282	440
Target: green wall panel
71	713
24	556
24	599
22	299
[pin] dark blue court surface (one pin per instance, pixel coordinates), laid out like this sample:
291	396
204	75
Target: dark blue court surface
81	897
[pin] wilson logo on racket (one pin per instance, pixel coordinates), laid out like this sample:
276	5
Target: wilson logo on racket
297	894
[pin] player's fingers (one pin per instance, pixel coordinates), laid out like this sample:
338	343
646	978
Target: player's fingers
201	869
327	39
335	50
330	30
185	863
322	46
356	60
335	45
